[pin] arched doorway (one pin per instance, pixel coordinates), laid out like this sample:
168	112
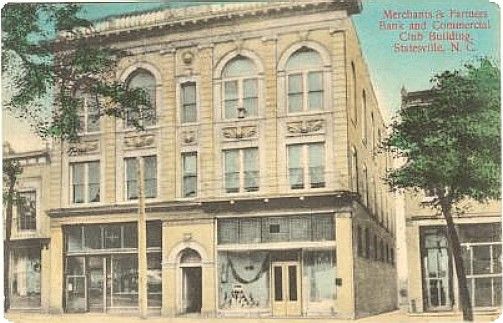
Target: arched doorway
191	281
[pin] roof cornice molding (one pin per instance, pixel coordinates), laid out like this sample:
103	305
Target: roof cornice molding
202	15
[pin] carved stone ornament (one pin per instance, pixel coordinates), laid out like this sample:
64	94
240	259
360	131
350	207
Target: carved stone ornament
239	132
189	137
84	147
139	141
304	127
187	57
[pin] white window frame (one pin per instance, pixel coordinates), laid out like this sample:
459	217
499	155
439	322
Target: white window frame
86	182
181	102
18	214
305	91
125	176
240	96
182	164
305	165
85	115
241	164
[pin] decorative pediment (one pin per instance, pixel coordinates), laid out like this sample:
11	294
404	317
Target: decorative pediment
305	127
139	141
238	133
84	147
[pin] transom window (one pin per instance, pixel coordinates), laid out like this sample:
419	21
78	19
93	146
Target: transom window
88	112
27	211
241	169
305	81
145	116
189	181
306	165
149	177
189	106
240	89
85	178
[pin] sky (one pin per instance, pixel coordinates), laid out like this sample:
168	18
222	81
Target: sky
388	69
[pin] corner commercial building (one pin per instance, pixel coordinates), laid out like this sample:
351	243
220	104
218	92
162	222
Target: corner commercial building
262	177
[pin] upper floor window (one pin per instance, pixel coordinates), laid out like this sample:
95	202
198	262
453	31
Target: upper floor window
305	81
88	112
144	116
85	182
364	117
354	171
240	88
306	164
241	169
27	211
354	113
189	181
188	101
149	177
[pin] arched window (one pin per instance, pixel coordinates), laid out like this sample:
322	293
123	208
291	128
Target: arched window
305	81
240	88
88	112
190	256
145	116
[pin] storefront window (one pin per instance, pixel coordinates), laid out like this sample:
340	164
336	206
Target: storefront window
93	237
73	238
319	274
125	281
25	279
243	280
112	236
154	280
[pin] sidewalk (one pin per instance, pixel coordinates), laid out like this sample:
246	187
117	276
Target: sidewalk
396	316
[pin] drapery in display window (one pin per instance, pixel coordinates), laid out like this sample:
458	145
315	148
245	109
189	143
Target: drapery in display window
243	280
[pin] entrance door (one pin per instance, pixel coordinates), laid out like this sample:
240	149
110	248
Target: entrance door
191	289
436	269
97	296
286	289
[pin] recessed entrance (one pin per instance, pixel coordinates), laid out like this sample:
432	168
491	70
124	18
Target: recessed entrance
191	282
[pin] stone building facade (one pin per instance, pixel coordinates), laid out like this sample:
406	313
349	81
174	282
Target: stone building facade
262	172
431	275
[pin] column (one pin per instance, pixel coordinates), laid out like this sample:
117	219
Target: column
56	274
45	279
345	301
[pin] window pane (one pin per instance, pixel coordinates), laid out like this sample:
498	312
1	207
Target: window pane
154	279
483	292
497	291
315	101
231	90
131	176
231	109
130	235
317	165
497	259
315	81
295	84
481	259
93	173
228	231
112	235
300	228
73	238
78	172
304	58
319	267
250	88
93	122
294	102
278	284
251	170
27	211
150	165
92	234
323	228
125	280
231	165
292	282
154	234
74	266
189	102
250	106
275	229
239	66
189	164
295	168
249	230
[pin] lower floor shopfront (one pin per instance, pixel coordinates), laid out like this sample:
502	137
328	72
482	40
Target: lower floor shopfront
287	263
433	283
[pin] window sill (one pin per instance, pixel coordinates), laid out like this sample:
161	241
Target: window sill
307	113
147	129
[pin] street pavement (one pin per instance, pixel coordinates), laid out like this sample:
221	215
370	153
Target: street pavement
396	316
